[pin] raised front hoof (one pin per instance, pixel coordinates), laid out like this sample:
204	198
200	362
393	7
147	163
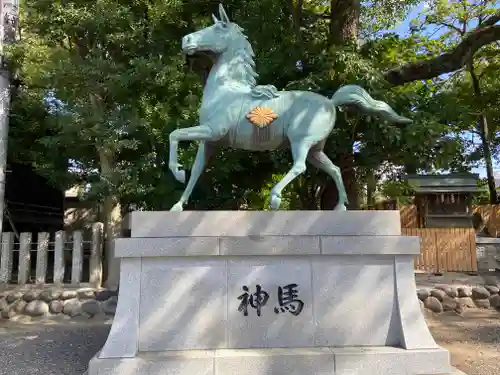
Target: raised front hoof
275	202
340	207
180	176
177	207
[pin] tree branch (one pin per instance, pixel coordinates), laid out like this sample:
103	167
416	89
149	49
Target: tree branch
491	21
450	61
450	26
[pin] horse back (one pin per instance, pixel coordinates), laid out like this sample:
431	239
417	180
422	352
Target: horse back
262	123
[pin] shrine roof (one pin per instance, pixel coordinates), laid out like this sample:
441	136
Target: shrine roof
450	183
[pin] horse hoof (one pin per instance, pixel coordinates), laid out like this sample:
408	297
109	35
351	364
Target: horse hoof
340	207
275	202
180	176
177	207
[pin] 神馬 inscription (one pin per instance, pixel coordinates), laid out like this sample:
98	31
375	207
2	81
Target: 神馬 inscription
288	300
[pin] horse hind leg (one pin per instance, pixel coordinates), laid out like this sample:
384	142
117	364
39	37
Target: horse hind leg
321	161
300	150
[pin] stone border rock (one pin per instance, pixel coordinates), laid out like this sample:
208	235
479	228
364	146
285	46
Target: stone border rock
458	298
39	303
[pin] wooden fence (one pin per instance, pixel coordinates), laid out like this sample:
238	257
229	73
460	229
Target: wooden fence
408	212
490	214
52	258
445	249
409	216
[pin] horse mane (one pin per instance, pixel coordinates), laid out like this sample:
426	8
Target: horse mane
244	56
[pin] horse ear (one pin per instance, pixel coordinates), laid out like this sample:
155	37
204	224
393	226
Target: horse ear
223	15
214	18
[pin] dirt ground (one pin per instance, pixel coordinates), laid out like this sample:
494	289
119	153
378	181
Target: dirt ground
473	339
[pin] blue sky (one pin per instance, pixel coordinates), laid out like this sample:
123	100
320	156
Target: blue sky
403	30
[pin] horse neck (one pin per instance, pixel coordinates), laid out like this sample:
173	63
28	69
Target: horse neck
228	73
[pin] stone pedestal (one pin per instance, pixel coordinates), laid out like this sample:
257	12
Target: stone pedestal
254	293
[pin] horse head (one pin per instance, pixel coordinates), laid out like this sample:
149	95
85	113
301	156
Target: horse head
222	42
215	39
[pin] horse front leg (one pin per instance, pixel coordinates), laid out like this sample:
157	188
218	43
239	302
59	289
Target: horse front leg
195	133
205	151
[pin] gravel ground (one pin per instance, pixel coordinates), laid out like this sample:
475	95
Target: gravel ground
473	339
65	348
49	349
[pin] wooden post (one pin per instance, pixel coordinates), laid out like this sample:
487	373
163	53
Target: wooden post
95	278
59	258
76	262
6	257
42	250
24	258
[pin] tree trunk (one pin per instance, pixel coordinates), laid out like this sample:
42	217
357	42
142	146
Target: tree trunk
344	23
371	187
112	219
484	134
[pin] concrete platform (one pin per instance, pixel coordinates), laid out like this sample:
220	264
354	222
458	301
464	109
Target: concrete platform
266	292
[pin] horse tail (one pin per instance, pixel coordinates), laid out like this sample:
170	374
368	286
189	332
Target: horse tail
356	95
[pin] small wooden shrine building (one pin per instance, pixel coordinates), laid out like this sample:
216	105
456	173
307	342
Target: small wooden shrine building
444	201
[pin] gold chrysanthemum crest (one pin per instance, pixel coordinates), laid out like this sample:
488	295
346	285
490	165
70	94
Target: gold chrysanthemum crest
261	116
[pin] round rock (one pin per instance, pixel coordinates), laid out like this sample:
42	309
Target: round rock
3	304
36	308
459	309
103	295
85	293
449	304
452	292
91	307
50	295
466	302
449	290
31	295
19	306
56	307
464	291
483	303
109	306
439	294
495	301
422	294
493	289
72	307
433	304
13	296
480	292
68	294
9	313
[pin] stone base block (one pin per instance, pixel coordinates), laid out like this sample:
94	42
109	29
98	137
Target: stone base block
292	361
256	293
